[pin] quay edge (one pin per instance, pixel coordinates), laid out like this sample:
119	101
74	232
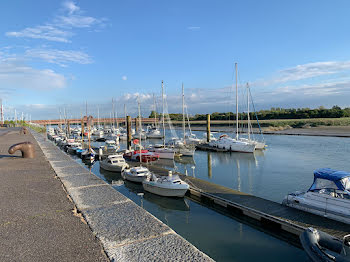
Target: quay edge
126	231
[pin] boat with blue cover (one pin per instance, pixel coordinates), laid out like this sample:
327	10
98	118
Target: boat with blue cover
328	196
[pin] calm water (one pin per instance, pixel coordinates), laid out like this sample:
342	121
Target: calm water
285	166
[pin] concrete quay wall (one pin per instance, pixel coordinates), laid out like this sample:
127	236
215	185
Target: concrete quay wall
126	231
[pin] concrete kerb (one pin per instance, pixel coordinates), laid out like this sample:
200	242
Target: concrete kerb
126	231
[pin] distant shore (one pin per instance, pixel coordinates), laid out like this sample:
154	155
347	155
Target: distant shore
332	131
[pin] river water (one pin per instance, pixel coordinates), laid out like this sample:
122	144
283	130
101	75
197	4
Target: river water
286	165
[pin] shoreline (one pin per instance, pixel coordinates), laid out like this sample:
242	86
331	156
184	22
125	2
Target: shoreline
328	131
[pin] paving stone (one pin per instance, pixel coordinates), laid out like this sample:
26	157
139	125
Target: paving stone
124	223
71	171
95	197
82	180
169	247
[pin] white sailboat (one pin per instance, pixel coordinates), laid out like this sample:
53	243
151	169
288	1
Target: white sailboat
180	145
234	144
163	151
259	145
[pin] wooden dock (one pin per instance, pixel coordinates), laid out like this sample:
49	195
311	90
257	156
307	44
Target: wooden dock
282	221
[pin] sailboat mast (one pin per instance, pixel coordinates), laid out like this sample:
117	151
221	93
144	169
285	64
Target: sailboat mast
155	112
163	114
140	129
112	114
98	117
183	112
248	112
236	102
125	114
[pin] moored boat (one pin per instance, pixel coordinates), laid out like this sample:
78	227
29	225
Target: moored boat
114	163
328	196
320	246
136	174
170	186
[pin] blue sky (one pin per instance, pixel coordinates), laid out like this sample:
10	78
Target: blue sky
59	54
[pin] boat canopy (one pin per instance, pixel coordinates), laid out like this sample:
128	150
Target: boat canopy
330	179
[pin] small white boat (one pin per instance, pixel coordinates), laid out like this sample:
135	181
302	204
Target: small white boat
227	143
192	139
163	152
153	133
114	163
136	174
170	186
329	195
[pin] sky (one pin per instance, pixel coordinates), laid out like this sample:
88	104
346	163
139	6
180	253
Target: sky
62	55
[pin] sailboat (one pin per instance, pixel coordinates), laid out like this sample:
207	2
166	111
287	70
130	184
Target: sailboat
234	144
153	131
180	145
163	151
259	145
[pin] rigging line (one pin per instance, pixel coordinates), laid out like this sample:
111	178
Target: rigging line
256	116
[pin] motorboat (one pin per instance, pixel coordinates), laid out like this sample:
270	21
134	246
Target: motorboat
230	144
141	155
163	152
110	147
170	186
153	133
136	174
320	246
114	163
328	196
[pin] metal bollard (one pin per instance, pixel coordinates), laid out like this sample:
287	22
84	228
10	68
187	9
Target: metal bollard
26	148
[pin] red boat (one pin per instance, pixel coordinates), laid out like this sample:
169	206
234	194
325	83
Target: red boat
146	156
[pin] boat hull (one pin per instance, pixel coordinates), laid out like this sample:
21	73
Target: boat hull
154	188
136	179
112	168
329	207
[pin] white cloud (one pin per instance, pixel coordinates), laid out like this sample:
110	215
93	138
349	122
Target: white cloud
59	30
71	7
15	73
47	32
124	78
59	57
306	71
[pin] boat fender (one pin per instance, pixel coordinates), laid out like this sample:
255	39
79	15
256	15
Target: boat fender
26	148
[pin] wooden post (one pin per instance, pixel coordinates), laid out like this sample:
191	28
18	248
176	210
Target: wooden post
208	128
128	122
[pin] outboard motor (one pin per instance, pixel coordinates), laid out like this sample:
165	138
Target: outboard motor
345	251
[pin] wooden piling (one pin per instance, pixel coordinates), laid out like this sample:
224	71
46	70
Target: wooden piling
208	128
128	122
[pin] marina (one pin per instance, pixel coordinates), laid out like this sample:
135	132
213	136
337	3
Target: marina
269	216
137	131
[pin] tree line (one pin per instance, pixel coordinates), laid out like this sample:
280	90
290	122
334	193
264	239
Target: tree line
273	113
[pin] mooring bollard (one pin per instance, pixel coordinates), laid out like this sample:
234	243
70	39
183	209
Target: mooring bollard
23	131
26	148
